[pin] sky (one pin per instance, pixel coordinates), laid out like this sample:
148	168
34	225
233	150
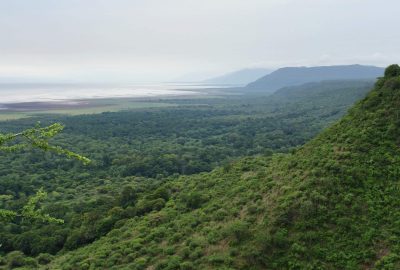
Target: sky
163	40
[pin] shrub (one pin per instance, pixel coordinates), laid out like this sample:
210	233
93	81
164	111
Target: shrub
173	263
239	230
220	214
393	83
185	252
194	200
220	259
392	71
17	259
145	206
186	266
128	196
44	258
140	264
213	237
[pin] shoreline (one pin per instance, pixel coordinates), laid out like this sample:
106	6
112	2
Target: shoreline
19	110
47	93
42	104
86	103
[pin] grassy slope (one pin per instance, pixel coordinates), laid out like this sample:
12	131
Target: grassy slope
330	205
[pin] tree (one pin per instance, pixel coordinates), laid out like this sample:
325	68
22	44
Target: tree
37	137
392	71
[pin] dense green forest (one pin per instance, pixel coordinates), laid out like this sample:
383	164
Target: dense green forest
148	192
328	205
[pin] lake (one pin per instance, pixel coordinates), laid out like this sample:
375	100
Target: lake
19	93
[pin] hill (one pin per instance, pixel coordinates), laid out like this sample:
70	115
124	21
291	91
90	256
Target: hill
315	92
291	76
331	204
134	152
240	77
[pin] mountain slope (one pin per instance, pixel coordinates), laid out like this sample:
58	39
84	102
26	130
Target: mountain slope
127	146
325	90
240	77
332	204
291	76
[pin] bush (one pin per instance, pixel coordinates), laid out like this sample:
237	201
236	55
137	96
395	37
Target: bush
393	83
388	262
194	199
280	238
173	263
44	258
128	196
392	71
185	252
75	239
220	259
186	266
140	264
239	230
145	206
220	214
17	259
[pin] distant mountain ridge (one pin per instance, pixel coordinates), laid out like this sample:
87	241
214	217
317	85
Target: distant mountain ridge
240	77
291	76
323	88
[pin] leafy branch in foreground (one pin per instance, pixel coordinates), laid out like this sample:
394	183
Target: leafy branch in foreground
31	211
37	137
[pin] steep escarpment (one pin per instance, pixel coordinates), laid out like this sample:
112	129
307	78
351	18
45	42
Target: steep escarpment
331	204
335	201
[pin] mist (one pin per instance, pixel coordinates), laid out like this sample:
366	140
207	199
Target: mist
147	41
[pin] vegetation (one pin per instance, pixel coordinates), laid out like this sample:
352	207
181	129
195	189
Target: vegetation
35	137
169	213
290	76
330	204
93	106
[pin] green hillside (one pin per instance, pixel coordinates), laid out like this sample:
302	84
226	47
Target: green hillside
134	152
331	204
153	214
292	76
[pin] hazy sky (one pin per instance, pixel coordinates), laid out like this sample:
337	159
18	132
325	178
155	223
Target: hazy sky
150	40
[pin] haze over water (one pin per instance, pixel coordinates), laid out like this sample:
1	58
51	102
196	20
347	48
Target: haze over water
64	92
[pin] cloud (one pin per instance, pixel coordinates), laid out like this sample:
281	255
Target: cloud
155	39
